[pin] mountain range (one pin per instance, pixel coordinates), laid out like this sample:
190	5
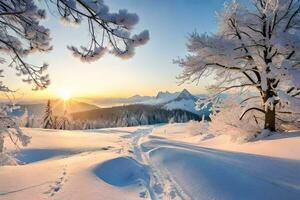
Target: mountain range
183	100
163	108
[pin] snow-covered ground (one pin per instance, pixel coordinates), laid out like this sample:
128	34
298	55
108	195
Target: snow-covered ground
152	162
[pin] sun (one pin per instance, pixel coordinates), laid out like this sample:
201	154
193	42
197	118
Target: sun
64	94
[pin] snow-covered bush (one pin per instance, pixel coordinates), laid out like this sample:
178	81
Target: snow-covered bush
225	119
10	129
6	159
197	128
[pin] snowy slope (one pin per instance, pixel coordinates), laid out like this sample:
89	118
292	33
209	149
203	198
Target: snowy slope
167	96
184	104
284	145
151	162
200	173
67	165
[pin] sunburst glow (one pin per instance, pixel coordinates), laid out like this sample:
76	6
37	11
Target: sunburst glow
65	94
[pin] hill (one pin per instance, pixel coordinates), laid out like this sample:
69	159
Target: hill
58	107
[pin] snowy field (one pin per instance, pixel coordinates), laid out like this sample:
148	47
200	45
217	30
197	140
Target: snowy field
152	162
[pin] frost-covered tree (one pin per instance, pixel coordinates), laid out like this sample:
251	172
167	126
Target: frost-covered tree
256	49
144	119
22	34
48	117
9	128
55	122
115	28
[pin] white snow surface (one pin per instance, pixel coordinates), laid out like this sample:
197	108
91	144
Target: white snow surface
183	104
152	162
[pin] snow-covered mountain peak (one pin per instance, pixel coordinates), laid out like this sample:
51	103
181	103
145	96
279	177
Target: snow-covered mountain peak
185	94
135	96
163	95
184	101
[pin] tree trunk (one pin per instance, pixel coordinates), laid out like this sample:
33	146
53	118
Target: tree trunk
1	143
270	119
270	115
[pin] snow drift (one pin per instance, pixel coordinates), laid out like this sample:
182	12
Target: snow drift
122	171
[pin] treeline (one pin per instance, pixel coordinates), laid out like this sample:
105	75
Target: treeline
130	115
121	116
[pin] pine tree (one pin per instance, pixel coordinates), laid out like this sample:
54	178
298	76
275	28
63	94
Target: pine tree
144	119
55	122
48	118
64	122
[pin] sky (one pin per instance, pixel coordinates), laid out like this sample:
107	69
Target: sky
151	70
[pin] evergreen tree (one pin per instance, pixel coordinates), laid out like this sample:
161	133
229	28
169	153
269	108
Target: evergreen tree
64	122
144	119
55	122
48	118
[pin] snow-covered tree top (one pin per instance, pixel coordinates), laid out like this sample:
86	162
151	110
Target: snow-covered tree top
256	50
254	47
22	34
115	28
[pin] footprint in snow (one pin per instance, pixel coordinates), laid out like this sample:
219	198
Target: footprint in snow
56	187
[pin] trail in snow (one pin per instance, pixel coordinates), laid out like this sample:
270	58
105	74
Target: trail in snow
137	136
58	184
183	171
212	174
161	185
